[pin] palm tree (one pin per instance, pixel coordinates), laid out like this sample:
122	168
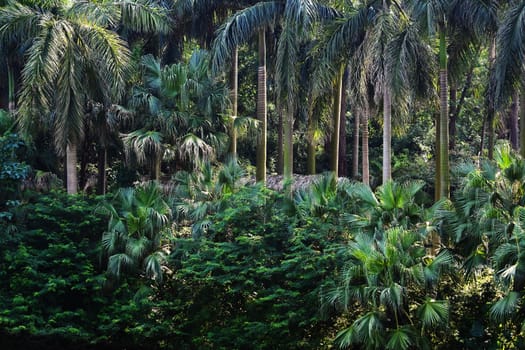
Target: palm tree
390	280
73	55
508	69
296	19
439	17
384	52
237	30
182	106
139	222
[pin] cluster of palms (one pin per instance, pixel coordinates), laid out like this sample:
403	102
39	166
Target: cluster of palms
64	57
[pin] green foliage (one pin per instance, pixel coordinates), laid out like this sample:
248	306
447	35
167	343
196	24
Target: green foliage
255	282
50	267
12	169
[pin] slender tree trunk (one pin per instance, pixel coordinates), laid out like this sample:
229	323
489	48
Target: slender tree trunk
260	175
234	99
464	92
71	168
311	146
453	116
483	135
280	145
156	171
288	145
491	133
336	122
11	88
102	178
444	188
437	186
387	131
490	108
83	177
355	148
522	124
365	160
514	116
343	166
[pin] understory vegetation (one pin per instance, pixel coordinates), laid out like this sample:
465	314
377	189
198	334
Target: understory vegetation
213	263
274	174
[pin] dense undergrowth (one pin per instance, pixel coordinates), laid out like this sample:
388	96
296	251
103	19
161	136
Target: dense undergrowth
213	264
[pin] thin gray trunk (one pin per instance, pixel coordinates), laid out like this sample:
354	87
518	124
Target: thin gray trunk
522	124
343	166
387	133
260	175
336	122
234	98
71	168
102	163
355	148
514	116
366	163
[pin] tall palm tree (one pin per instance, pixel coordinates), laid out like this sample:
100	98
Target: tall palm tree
73	55
508	69
238	30
296	19
439	17
384	52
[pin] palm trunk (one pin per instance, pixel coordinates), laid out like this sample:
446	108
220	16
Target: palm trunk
444	188
490	109
355	148
71	168
11	88
387	131
483	135
156	171
280	147
491	133
343	167
453	116
514	114
260	175
287	145
234	98
366	162
336	122
311	145
437	186
102	178
522	124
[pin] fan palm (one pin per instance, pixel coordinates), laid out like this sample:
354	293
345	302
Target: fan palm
185	103
391	279
393	205
198	194
139	222
73	55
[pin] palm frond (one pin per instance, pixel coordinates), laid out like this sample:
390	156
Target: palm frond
144	16
511	52
19	23
433	313
505	307
401	339
240	28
